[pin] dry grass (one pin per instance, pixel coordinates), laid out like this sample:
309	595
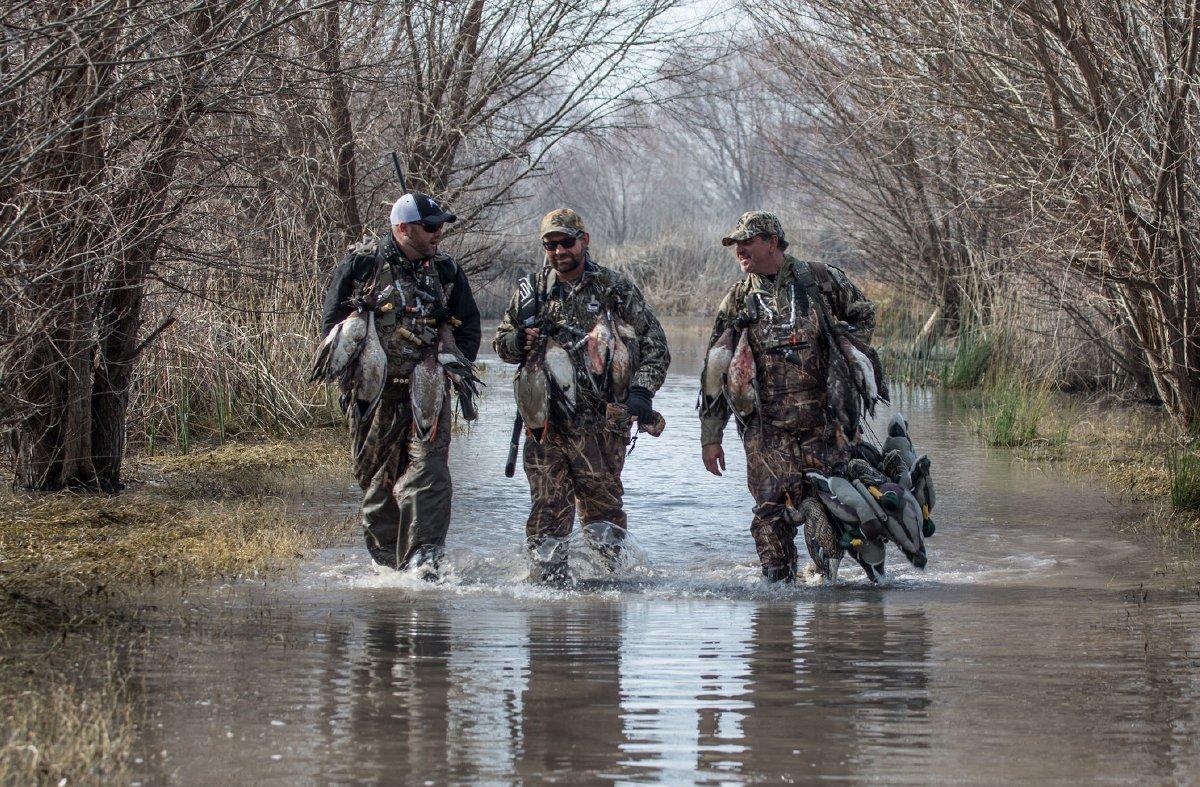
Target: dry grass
73	569
1128	449
88	547
251	468
57	726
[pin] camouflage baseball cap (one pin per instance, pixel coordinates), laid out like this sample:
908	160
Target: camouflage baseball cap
563	220
755	222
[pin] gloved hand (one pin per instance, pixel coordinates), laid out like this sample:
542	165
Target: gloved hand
637	402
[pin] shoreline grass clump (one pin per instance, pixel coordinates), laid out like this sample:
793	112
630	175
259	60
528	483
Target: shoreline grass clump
1183	469
76	570
972	359
1014	410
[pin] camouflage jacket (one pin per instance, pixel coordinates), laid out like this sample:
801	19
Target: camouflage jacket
577	307
787	338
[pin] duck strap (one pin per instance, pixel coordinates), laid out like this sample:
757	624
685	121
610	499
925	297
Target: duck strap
816	280
529	303
843	409
529	307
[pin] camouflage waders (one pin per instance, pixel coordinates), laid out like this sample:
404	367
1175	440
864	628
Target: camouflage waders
569	470
405	481
792	429
578	464
775	465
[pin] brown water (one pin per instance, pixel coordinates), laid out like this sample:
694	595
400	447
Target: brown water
1045	642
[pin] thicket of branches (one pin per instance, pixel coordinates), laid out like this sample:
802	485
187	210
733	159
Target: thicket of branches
177	178
1044	147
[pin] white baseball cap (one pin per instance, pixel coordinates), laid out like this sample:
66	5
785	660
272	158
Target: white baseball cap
418	207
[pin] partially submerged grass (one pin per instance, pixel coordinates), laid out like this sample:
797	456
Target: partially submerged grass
73	569
58	726
67	545
971	361
1014	412
1183	467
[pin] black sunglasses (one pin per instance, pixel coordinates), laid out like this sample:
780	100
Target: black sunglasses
430	226
566	243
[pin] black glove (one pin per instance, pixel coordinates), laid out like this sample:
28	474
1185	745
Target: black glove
637	402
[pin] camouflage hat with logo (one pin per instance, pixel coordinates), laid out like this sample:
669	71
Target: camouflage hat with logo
563	220
753	223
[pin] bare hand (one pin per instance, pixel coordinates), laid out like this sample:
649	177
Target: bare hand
714	458
531	335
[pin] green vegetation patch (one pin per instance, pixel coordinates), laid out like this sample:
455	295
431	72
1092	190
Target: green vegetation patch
1183	468
1014	413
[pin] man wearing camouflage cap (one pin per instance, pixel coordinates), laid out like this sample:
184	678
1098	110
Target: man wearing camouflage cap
786	308
575	460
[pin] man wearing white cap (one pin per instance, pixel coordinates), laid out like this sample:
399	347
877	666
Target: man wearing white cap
415	292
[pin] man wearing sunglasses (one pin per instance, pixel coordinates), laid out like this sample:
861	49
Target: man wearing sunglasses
576	461
414	290
786	308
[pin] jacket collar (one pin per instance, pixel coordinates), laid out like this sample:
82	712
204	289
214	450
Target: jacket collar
787	272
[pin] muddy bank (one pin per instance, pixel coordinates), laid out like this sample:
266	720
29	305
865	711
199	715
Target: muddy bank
83	576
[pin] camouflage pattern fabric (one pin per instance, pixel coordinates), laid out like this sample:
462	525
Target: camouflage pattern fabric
788	353
754	223
571	470
570	311
406	482
792	429
563	220
775	463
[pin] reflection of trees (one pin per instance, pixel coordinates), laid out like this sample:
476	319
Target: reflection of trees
399	688
831	682
571	725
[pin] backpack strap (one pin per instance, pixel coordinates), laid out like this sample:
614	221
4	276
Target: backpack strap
824	279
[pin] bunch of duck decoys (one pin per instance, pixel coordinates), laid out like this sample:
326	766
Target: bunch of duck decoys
352	356
885	493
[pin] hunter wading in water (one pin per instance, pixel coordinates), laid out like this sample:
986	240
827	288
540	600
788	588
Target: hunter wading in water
591	357
769	365
426	319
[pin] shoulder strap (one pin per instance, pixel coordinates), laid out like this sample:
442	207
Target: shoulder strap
820	272
446	267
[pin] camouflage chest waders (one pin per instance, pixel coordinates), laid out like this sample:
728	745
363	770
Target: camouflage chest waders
791	431
406	481
576	466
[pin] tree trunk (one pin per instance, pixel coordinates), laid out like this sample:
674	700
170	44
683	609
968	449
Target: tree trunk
342	131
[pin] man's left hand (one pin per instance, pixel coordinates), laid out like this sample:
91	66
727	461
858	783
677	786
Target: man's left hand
638	403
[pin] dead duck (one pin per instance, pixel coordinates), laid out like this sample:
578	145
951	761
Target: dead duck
742	379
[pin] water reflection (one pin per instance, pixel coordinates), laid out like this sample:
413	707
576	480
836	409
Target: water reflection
1016	656
571	721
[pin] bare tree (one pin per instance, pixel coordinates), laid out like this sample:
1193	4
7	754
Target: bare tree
1071	124
162	156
